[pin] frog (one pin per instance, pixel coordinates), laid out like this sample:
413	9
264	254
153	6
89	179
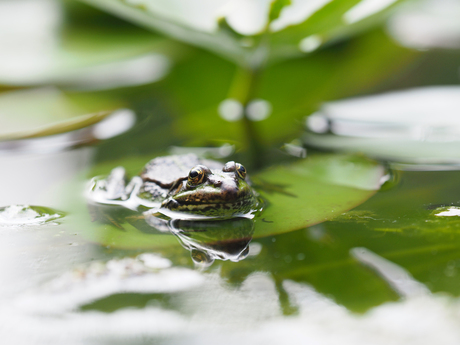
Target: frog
188	184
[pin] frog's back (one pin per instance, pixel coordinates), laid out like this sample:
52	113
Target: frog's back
162	173
165	171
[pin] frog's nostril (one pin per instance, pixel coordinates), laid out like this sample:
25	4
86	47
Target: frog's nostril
217	182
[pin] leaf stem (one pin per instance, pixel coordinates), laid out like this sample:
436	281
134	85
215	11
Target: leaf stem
244	89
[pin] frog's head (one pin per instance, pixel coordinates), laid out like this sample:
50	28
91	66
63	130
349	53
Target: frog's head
216	193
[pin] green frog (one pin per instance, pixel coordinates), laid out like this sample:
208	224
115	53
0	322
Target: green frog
188	184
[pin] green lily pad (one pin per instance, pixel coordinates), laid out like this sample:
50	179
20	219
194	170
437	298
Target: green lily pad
298	195
314	190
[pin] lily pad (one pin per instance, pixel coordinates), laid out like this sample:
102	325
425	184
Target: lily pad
314	190
397	126
416	228
25	215
427	24
41	112
296	196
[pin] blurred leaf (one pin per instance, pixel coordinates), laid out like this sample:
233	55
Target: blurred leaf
40	112
276	8
400	126
203	82
73	124
218	42
247	38
78	56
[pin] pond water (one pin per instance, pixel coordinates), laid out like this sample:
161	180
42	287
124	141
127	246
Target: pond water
385	271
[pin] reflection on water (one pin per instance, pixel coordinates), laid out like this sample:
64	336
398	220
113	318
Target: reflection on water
399	279
207	240
223	240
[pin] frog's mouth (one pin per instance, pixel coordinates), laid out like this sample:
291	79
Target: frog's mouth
214	207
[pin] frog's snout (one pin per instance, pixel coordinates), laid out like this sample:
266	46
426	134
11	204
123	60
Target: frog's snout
215	181
230	190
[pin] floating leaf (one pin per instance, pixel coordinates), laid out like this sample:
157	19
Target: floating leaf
297	195
25	215
397	126
314	190
406	224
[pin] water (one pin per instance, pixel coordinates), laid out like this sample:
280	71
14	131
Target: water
378	273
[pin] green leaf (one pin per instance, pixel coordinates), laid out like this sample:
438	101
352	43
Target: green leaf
203	82
263	33
314	190
400	224
317	258
296	195
276	8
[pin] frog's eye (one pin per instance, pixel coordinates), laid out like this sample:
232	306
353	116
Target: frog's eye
196	176
240	170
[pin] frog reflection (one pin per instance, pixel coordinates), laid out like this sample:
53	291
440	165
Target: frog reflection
209	240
